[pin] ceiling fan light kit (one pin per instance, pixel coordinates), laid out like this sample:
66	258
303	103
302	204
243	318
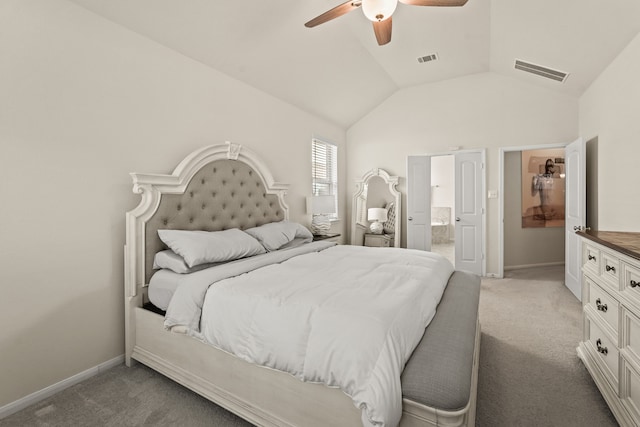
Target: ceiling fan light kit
378	12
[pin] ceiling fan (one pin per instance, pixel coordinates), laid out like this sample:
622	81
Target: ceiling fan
377	11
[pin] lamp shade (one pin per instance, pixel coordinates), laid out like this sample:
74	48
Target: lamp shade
377	214
378	10
321	205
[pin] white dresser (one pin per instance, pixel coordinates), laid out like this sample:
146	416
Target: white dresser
610	346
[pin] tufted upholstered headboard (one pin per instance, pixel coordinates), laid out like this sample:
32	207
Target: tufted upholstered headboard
215	188
223	194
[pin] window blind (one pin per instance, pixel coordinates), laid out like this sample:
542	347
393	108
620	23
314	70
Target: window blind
324	158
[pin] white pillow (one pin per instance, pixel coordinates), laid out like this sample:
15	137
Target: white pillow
295	243
275	235
201	247
168	259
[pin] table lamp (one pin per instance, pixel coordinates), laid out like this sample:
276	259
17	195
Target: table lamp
378	216
320	207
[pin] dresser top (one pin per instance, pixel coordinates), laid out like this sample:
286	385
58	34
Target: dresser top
625	242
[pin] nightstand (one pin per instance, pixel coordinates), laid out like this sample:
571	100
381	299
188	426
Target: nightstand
328	237
379	240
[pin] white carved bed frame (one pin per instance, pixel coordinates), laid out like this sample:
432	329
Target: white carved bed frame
262	396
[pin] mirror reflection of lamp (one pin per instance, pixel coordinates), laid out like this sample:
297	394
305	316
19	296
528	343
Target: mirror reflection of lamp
378	216
320	207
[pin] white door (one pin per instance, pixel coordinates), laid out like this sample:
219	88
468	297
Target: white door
469	212
575	214
419	202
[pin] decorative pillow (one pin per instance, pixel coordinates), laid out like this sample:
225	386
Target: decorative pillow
170	260
275	235
201	247
389	226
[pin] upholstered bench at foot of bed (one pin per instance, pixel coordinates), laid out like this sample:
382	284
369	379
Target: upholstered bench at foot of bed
440	373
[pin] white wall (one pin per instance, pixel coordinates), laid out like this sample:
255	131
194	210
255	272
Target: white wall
609	119
479	111
83	103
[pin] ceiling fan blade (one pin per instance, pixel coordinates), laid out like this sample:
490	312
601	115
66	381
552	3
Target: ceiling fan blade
334	13
434	2
383	31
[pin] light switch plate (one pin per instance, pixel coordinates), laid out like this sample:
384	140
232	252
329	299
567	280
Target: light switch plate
493	194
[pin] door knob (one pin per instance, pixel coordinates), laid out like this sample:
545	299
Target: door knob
457	218
410	218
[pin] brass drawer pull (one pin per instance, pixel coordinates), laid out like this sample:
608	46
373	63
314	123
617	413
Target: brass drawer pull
591	257
601	349
633	283
610	268
600	306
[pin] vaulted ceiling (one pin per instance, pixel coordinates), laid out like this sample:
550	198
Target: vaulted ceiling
338	71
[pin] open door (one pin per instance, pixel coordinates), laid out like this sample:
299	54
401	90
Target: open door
469	212
419	202
575	214
469	208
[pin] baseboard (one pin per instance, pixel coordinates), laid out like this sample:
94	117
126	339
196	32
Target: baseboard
49	391
544	264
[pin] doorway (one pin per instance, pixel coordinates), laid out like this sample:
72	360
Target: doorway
518	243
534	208
443	206
542	246
457	225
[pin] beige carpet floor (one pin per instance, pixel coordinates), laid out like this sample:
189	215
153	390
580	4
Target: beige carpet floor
529	372
448	250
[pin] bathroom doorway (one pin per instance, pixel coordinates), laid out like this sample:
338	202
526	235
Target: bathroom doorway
443	206
459	226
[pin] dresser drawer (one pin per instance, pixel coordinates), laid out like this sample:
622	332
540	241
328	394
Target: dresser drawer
630	392
606	306
631	335
610	267
631	281
591	259
605	351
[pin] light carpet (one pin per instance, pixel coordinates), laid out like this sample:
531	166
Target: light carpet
529	372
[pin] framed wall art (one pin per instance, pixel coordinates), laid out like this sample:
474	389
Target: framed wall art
543	188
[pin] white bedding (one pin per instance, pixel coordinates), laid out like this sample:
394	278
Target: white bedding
162	286
164	282
345	316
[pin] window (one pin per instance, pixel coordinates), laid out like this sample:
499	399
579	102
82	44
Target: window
324	169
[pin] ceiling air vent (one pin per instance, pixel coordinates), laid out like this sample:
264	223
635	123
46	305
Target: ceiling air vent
428	58
559	76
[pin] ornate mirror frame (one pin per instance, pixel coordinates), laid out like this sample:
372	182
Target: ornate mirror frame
359	204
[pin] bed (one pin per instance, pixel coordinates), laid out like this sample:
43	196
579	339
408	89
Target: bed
227	187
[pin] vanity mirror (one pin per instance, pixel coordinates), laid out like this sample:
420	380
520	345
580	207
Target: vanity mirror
376	200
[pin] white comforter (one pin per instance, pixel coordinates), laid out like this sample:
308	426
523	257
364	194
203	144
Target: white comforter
345	316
